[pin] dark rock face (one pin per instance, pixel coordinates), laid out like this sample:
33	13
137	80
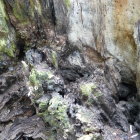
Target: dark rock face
65	103
53	89
127	91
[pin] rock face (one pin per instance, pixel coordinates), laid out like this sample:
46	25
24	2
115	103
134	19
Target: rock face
69	70
7	44
107	27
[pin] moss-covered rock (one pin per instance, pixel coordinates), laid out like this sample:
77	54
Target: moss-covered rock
24	12
87	88
29	18
8	49
67	3
7	35
35	81
54	59
90	92
37	77
3	17
56	113
18	12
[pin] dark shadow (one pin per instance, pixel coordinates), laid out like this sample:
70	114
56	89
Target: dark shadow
21	48
127	91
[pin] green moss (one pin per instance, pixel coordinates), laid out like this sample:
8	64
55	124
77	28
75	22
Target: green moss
89	129
43	106
7	50
2	45
36	77
24	13
56	114
10	51
19	12
90	93
87	88
33	78
3	18
35	5
54	59
67	3
7	45
2	9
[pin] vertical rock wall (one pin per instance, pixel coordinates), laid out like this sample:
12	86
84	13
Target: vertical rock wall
107	27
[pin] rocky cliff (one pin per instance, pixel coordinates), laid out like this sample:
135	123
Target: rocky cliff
69	70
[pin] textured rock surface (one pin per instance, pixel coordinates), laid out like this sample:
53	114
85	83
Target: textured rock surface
7	41
107	27
69	70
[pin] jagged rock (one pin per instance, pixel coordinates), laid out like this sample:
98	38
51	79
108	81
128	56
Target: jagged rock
34	56
29	127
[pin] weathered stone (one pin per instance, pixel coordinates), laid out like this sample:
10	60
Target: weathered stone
7	41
